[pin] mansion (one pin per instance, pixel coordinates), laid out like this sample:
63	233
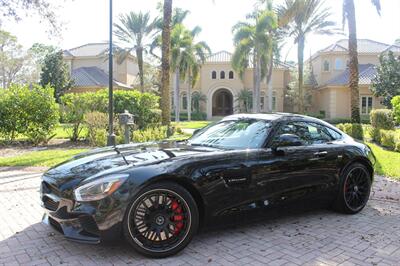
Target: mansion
328	86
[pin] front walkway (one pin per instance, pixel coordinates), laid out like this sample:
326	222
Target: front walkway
319	237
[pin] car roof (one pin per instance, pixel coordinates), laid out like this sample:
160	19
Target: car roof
267	116
276	117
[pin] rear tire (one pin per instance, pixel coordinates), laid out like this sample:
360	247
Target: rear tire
161	220
354	190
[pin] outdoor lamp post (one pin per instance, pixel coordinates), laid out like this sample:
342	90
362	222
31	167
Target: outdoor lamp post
111	135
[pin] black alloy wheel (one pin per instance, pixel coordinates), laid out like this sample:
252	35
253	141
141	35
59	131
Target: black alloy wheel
355	189
162	220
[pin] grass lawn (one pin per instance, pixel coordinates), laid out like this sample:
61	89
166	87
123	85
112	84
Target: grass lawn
387	162
63	131
40	158
191	124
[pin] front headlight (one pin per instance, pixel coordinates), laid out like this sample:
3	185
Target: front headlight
100	188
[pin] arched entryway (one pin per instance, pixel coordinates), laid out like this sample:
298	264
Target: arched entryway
222	103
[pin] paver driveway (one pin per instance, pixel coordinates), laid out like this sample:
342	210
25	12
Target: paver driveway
318	237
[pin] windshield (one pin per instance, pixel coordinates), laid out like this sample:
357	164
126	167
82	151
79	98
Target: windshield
237	134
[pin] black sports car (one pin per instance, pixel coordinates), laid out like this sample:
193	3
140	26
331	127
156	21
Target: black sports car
158	194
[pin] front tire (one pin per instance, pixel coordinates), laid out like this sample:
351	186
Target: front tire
354	191
161	220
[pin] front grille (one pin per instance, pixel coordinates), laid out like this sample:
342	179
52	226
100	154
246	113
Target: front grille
50	204
56	225
88	224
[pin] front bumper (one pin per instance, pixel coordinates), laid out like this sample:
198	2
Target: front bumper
87	222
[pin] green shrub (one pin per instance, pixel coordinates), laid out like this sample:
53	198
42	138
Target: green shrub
388	138
320	115
375	134
335	121
149	134
96	123
354	130
144	106
396	108
195	116
73	109
382	119
29	111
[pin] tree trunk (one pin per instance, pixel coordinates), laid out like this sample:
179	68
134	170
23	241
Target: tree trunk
353	64
165	64
254	99
176	95
269	81
300	63
258	84
139	55
189	97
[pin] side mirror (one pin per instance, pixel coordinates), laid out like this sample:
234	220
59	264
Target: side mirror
286	140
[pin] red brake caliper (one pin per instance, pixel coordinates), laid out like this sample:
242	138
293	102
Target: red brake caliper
178	217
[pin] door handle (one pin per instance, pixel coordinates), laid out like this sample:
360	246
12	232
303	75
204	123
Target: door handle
320	153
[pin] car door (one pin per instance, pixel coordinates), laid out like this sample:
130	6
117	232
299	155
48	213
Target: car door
299	171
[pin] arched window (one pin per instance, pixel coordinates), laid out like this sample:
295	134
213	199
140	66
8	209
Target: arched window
231	74
222	75
326	65
214	75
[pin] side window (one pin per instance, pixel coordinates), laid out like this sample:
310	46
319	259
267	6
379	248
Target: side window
334	134
310	133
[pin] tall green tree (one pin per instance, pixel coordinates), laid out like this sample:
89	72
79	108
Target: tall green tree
276	36
193	57
36	55
181	39
253	43
245	100
386	84
165	63
136	31
12	59
197	99
56	74
310	17
349	15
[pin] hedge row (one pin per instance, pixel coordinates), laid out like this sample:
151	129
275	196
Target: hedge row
195	116
354	130
144	106
28	111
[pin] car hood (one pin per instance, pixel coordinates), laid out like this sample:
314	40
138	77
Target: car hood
99	162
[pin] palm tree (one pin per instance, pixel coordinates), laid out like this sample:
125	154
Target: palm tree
310	17
181	39
276	37
244	99
252	43
349	15
165	63
197	98
163	42
193	57
136	29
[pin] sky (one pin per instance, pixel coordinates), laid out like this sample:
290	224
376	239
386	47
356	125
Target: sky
86	21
